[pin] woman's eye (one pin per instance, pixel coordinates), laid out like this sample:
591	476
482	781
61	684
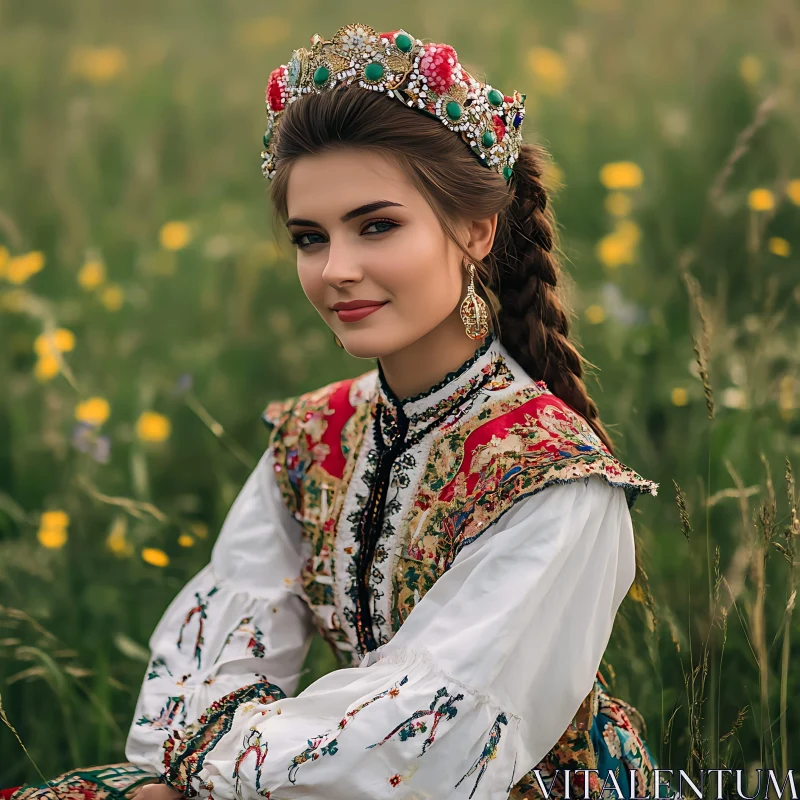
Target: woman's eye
307	239
382	226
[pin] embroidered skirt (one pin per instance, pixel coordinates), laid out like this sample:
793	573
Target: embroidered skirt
605	735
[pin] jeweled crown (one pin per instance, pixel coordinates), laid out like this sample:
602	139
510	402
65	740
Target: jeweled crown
425	77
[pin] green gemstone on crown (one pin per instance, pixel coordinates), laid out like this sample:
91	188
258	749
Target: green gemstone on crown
321	75
488	139
373	72
495	98
453	110
267	138
507	172
403	42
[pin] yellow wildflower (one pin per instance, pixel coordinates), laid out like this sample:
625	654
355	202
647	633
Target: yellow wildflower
618	204
92	274
793	191
113	297
153	427
621	175
155	557
619	247
47	367
549	69
54	519
52	531
175	235
52	538
779	247
3	260
20	268
679	396
751	69
595	314
612	251
761	200
62	340
94	411
184	540
97	64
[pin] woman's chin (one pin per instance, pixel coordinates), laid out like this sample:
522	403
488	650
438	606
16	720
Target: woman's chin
369	343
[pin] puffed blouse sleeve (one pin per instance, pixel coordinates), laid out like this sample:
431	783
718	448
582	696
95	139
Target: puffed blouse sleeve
238	623
477	685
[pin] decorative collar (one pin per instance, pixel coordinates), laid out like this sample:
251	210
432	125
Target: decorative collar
446	401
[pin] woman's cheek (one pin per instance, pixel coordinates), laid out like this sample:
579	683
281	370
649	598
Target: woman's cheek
312	284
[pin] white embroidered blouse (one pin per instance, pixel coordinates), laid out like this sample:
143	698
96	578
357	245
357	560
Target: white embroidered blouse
474	688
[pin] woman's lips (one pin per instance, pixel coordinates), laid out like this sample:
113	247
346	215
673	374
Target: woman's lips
355	314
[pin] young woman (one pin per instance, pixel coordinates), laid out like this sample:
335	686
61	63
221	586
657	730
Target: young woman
453	521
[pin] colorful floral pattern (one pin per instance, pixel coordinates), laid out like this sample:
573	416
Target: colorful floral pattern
185	750
171	711
607	734
417	722
475	444
327	743
109	782
199	610
489	752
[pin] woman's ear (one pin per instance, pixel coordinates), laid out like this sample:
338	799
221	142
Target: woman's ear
481	234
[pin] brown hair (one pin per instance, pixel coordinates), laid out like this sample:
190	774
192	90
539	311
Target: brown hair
519	278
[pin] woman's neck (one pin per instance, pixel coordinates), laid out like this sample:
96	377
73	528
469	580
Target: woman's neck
423	363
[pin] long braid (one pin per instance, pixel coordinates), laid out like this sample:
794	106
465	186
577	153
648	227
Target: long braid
534	324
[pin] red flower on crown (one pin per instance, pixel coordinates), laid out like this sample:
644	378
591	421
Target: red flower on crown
439	65
499	127
276	89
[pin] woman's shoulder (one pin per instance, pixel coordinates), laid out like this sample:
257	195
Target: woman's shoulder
338	398
526	440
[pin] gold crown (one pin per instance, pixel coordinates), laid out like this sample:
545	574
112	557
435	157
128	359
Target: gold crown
425	77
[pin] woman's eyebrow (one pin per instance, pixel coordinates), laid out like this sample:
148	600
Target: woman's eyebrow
369	208
356	212
299	221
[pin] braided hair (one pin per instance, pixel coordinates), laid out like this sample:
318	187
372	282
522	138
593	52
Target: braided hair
532	317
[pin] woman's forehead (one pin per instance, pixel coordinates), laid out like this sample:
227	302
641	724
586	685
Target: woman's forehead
337	181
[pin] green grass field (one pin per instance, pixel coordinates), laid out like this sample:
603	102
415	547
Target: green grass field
148	312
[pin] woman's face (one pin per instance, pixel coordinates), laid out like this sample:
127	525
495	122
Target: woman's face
365	235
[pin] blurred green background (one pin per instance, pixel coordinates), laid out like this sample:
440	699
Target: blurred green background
148	312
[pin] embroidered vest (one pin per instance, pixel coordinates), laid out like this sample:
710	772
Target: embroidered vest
492	438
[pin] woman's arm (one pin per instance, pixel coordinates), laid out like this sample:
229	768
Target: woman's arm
238	623
479	683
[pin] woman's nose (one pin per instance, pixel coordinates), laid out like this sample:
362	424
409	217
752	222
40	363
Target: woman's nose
342	266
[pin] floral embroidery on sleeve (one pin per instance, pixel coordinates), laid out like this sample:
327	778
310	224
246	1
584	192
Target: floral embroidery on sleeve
327	744
489	752
417	724
185	751
200	609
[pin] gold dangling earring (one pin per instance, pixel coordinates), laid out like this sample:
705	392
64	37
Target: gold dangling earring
338	341
474	311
